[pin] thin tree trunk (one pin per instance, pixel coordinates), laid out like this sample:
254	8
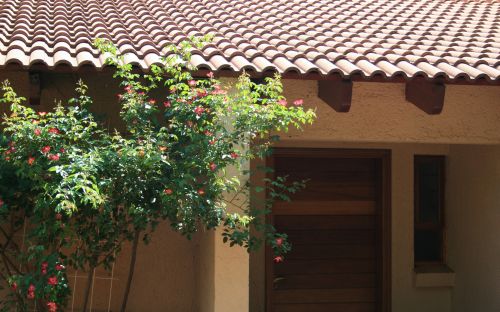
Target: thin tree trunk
131	270
90	279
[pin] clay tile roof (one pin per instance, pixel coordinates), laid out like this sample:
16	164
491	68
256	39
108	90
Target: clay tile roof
390	38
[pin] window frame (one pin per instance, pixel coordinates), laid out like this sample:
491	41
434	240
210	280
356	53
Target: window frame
439	226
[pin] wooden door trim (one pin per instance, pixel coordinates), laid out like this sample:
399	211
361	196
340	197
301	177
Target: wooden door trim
384	156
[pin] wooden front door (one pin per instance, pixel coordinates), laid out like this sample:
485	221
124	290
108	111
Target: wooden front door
339	259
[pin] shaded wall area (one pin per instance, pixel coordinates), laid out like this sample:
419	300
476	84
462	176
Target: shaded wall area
473	227
166	272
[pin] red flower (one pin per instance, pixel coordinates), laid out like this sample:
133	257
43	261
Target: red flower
282	102
31	292
62	150
31	160
59	267
13	286
45	149
278	259
298	102
168	191
42	113
279	241
167	104
152	102
7	158
38	132
128	89
54	130
201	192
234	155
54	157
210	75
52	281
199	110
211	142
58	216
208	133
44	268
213	166
52	306
192	83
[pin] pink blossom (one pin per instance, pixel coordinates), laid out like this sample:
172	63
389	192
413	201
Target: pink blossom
37	132
54	157
45	149
278	259
213	166
52	306
282	102
199	110
298	102
52	281
54	131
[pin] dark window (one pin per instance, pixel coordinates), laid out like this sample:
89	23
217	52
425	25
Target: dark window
429	209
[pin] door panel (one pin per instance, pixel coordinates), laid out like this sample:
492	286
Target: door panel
335	231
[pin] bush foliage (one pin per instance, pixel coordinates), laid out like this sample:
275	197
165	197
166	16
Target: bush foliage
78	191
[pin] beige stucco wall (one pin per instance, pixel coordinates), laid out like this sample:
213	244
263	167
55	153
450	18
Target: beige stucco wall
473	222
205	275
379	113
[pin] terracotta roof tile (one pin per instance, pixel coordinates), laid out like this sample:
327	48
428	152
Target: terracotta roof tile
434	38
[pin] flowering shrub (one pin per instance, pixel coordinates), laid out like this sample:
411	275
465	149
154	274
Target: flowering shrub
84	191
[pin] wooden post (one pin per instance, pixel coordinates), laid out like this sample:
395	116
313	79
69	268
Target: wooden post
426	95
336	93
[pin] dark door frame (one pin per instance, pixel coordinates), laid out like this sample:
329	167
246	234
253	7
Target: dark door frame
384	157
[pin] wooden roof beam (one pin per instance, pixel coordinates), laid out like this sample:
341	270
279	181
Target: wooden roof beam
426	95
336	93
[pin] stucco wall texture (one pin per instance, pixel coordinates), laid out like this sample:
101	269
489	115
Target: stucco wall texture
174	274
